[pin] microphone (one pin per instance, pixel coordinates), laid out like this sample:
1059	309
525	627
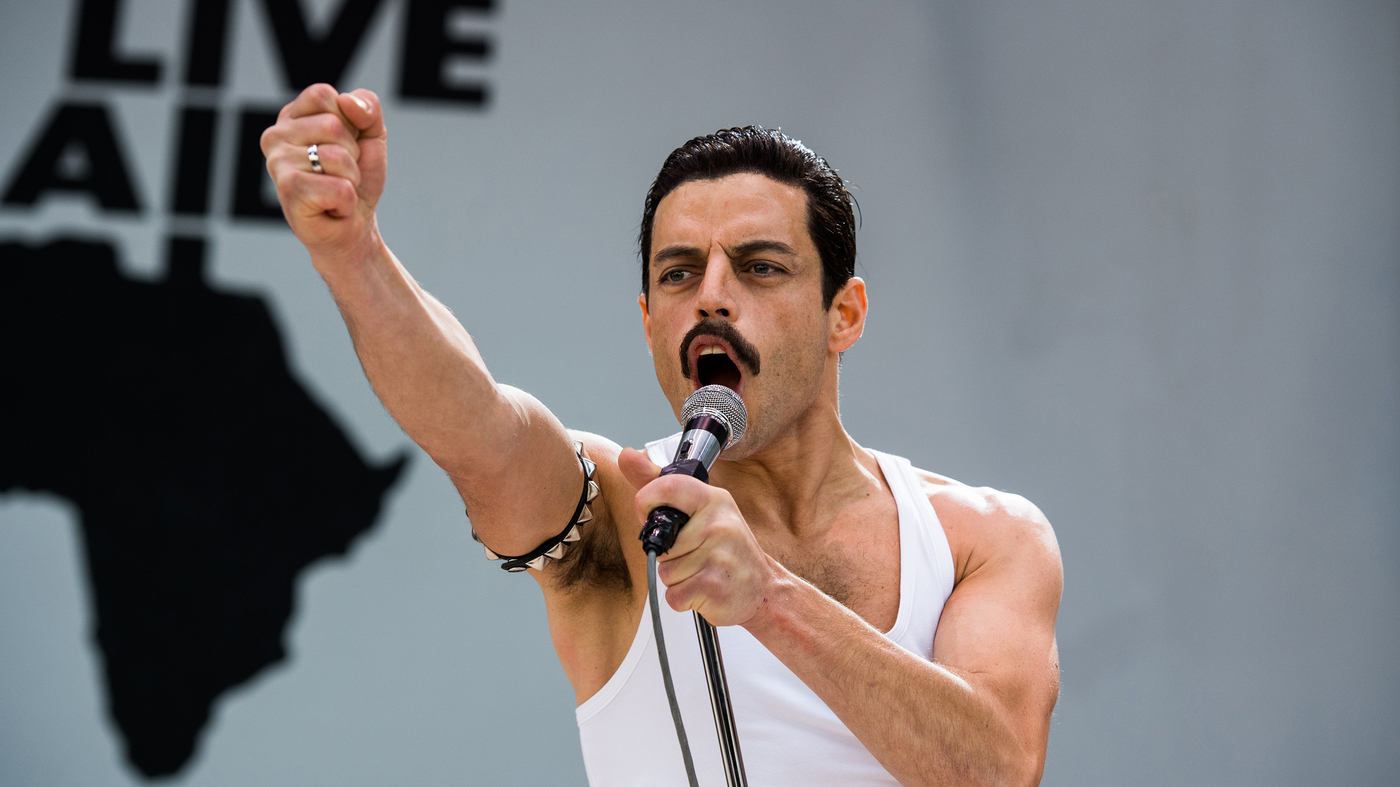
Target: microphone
715	418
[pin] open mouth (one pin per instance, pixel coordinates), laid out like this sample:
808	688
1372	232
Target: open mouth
714	367
713	352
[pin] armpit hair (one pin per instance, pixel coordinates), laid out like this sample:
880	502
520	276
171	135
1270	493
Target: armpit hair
595	561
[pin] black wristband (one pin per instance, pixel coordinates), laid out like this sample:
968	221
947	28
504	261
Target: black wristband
554	548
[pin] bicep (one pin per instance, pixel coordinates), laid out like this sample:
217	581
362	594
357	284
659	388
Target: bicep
527	492
997	629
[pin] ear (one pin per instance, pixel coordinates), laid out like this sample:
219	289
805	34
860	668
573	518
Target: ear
646	318
847	315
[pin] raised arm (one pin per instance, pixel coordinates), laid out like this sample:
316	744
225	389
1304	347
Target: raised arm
508	455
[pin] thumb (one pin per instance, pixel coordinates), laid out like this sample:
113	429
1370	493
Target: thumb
637	468
361	108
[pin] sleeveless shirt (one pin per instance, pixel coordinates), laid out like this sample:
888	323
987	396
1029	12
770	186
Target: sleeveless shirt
787	735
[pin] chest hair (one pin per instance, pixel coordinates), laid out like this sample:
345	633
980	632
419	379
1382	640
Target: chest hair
864	580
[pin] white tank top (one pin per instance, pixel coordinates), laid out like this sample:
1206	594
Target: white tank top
788	736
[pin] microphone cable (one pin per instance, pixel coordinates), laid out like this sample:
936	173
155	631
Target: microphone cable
715	418
666	670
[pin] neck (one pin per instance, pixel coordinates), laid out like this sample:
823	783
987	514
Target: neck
801	480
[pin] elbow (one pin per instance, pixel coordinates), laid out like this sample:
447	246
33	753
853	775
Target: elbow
1011	764
1023	766
1006	765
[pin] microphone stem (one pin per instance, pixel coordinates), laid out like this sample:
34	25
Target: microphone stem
719	703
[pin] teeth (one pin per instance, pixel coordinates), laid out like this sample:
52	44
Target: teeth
712	350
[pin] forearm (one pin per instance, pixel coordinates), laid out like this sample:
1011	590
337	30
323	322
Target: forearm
923	722
420	360
508	456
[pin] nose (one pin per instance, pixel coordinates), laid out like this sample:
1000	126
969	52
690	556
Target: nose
716	297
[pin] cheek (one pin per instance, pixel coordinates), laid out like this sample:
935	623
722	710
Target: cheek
801	341
664	349
797	356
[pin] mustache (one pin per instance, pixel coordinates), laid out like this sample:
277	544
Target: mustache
747	354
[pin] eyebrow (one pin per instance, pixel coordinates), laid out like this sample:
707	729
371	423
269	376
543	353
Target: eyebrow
742	250
675	252
759	246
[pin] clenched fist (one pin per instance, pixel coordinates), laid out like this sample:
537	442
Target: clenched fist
716	567
331	211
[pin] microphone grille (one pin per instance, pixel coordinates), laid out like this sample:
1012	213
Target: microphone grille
722	403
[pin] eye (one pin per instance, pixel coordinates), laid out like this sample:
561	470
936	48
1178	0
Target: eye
763	268
674	276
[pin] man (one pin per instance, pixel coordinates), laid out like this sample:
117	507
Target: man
880	624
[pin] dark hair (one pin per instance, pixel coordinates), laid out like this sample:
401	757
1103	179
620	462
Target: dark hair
768	152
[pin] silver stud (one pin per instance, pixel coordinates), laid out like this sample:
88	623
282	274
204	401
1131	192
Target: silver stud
592	491
538	563
515	569
578	446
489	554
583	516
572	536
558	551
588	466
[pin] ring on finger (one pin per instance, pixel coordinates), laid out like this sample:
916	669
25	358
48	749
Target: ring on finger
315	159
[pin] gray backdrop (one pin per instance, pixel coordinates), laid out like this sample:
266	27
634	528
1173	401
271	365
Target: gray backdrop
1137	261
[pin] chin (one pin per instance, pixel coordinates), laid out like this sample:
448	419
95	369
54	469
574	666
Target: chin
754	441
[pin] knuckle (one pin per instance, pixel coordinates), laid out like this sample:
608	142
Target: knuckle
280	165
676	599
713	588
327	125
722	561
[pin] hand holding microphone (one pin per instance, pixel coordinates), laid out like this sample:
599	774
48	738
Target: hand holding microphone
715	418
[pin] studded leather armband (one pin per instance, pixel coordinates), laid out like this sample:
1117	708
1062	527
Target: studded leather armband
554	548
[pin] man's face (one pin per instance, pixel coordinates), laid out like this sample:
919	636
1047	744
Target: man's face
736	299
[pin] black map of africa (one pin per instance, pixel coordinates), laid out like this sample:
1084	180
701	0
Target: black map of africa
206	477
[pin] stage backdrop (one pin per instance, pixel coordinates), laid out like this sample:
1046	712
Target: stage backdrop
1139	262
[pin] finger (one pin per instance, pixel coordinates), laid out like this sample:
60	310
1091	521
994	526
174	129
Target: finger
680	492
703	592
361	108
309	195
317	130
681	596
716	581
315	99
335	161
637	468
319	100
696	532
685	560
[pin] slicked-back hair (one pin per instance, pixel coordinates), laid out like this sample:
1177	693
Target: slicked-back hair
768	152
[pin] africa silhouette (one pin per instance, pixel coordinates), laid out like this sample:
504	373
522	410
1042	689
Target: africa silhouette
205	475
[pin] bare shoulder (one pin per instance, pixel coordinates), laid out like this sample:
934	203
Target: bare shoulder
997	629
988	526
